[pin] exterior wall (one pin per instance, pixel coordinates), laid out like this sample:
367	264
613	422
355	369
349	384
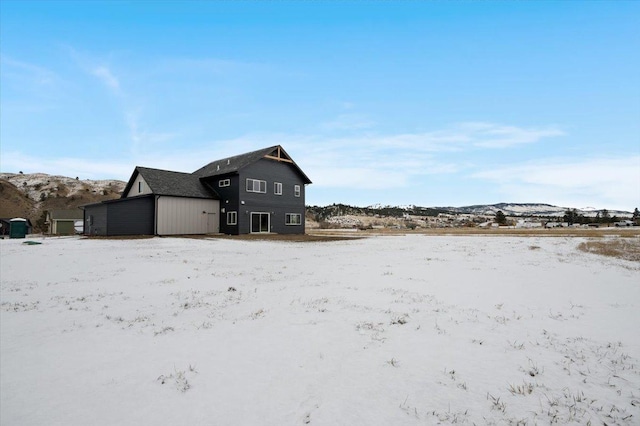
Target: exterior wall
228	201
129	216
133	192
95	219
277	205
133	216
180	216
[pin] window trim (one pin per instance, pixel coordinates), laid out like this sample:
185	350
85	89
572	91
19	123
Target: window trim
232	218
277	188
296	190
224	182
253	186
288	219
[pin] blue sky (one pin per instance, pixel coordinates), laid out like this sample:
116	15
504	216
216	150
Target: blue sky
427	103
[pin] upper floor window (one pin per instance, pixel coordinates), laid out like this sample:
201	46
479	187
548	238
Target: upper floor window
296	190
139	187
277	188
255	185
224	182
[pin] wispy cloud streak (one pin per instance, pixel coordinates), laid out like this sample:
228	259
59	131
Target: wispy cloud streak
106	76
614	181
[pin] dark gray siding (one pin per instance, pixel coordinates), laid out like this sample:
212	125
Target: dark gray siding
128	216
276	205
95	219
228	200
131	216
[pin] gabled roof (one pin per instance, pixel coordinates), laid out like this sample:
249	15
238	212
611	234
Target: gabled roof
178	184
165	182
237	162
73	214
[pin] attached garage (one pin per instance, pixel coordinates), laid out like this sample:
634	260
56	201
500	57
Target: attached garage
156	202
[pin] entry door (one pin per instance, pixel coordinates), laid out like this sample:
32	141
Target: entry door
212	223
259	222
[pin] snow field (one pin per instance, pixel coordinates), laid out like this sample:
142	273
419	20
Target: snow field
401	330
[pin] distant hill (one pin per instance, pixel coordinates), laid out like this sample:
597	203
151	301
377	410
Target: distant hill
509	209
30	195
13	202
529	209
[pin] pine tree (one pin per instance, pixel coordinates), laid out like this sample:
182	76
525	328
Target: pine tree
500	218
571	216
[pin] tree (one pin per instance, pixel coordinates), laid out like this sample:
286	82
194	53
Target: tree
500	218
571	216
636	216
605	217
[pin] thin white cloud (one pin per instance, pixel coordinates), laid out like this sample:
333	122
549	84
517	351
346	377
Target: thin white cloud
387	161
490	135
35	73
143	139
374	162
106	76
12	162
189	66
612	183
459	137
348	122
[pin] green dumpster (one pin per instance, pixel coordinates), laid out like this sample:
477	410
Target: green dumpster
17	228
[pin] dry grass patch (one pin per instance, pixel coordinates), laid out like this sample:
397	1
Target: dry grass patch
621	248
466	231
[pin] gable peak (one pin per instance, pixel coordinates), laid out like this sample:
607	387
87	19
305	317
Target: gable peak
278	154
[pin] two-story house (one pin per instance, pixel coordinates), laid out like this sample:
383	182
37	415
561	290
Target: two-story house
258	192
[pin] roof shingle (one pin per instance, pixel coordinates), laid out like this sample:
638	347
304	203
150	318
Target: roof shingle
165	182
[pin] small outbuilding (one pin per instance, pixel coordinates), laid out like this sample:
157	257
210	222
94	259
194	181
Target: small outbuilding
18	228
62	222
5	226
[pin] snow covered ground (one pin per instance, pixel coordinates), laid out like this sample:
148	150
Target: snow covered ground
401	330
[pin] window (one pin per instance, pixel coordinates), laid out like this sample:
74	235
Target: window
232	218
139	187
293	219
224	182
296	190
277	188
255	185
